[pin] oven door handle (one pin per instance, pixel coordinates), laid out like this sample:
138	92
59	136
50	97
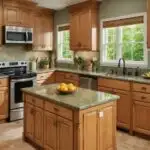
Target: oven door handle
22	80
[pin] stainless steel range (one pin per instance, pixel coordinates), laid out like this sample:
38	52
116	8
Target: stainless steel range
18	78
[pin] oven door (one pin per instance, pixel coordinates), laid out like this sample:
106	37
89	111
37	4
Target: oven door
16	99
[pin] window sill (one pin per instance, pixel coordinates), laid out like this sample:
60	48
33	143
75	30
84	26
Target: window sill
65	61
128	64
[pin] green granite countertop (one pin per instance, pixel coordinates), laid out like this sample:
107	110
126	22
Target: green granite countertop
81	99
100	74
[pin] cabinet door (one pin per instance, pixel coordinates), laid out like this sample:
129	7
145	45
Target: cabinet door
85	30
123	110
49	131
38	33
74	32
48	33
11	15
3	104
90	130
25	17
39	121
141	115
107	129
64	134
29	121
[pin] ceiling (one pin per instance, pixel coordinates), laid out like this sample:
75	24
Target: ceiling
57	4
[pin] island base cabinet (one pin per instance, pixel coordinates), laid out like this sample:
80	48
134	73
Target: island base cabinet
64	134
99	125
59	128
34	124
107	128
29	125
141	117
50	131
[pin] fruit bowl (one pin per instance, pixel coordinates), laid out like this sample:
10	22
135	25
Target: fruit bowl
146	75
64	88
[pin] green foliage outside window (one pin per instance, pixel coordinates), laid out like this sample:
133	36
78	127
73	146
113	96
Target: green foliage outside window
130	41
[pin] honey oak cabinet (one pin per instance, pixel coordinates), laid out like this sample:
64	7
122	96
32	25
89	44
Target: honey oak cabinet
90	130
83	26
124	109
18	13
43	29
50	131
34	127
124	104
29	126
64	134
11	15
107	128
68	129
3	103
141	113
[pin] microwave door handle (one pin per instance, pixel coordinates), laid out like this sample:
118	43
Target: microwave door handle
27	36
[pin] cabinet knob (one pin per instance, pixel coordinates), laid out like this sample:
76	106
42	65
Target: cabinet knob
144	88
79	44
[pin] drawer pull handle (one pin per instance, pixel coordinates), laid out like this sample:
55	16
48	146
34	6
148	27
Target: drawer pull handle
56	109
143	97
144	88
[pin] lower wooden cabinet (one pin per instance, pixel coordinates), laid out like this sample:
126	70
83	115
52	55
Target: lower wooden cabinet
64	134
39	124
3	103
100	125
29	125
141	117
50	131
34	127
124	110
107	128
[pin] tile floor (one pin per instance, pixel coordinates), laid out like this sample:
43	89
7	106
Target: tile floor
11	139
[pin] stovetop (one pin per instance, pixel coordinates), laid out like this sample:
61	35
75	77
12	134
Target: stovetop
23	76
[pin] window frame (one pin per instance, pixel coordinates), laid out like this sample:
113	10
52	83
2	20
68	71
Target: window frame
60	59
133	64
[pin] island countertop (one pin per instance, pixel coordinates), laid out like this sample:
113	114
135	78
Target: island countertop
79	100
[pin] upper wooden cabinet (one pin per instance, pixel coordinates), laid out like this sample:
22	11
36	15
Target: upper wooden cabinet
43	30
18	13
1	21
83	26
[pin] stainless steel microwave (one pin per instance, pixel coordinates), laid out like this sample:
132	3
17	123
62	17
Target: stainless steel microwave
20	35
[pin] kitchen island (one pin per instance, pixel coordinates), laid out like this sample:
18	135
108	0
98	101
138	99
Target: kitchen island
84	120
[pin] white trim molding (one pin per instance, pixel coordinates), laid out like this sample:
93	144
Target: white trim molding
142	64
59	57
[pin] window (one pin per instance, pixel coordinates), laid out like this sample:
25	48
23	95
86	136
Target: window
124	38
63	46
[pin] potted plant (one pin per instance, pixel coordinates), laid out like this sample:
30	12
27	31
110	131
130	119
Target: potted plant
94	64
44	63
79	62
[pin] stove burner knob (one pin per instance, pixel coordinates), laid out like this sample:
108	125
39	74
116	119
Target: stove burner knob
3	64
22	63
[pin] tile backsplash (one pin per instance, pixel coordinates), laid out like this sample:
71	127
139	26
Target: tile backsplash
19	52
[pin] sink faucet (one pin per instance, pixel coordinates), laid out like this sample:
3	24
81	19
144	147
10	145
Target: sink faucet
124	67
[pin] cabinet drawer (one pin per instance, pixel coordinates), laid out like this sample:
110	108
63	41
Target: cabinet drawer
34	101
105	89
43	76
141	97
116	84
59	77
72	76
64	112
4	82
141	87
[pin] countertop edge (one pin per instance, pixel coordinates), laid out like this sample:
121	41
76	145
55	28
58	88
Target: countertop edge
116	97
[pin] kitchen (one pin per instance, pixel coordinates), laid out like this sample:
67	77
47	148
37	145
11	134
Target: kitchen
43	46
